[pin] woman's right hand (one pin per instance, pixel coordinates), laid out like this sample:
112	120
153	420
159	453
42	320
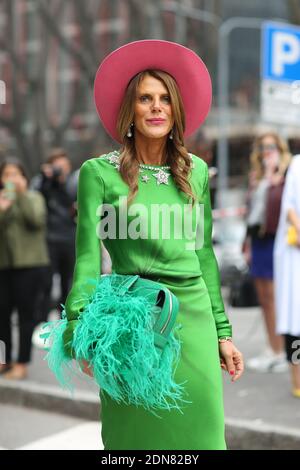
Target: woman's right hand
86	368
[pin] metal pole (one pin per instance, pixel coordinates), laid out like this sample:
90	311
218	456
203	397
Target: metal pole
223	114
154	19
190	12
180	22
223	94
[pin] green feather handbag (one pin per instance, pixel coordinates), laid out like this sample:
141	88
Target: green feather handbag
127	332
166	303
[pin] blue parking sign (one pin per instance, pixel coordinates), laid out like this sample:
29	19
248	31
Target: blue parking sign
280	52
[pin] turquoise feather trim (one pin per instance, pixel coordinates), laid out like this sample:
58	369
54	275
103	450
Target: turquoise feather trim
114	333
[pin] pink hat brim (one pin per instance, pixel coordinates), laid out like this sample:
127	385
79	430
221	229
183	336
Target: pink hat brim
120	66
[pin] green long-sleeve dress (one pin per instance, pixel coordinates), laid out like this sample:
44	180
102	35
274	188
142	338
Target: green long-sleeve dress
190	271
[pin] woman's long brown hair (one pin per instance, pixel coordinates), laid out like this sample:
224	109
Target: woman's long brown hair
176	154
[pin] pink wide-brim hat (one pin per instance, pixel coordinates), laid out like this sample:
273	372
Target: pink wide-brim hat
121	65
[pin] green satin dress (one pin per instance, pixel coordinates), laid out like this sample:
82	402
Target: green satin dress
189	270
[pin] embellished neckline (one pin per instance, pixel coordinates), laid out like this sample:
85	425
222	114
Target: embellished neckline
114	157
162	171
147	166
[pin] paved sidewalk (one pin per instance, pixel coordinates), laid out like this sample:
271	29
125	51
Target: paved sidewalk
263	398
261	402
30	429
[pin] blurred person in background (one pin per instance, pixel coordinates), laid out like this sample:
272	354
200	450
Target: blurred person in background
202	146
287	272
58	185
269	162
23	253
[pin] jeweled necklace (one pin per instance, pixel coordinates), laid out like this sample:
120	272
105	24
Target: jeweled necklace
161	174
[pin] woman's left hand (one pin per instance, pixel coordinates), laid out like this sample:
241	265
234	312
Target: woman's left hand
231	360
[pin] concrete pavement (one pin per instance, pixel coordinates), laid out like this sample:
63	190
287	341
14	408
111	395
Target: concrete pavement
31	429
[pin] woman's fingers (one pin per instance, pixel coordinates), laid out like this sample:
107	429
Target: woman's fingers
239	366
230	367
86	368
231	360
87	371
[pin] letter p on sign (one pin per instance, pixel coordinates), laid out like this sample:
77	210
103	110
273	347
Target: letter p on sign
280	49
286	51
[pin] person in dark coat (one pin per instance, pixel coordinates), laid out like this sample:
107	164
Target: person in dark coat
58	184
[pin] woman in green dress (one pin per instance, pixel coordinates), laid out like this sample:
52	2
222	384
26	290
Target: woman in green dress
150	95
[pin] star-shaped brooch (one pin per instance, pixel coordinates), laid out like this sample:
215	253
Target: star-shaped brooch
162	177
145	178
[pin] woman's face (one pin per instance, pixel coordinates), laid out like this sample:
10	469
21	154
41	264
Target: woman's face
153	116
269	151
12	174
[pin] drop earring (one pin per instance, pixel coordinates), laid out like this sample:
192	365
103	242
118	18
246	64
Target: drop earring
171	135
129	133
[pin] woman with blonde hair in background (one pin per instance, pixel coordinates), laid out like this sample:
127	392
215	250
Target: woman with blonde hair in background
269	162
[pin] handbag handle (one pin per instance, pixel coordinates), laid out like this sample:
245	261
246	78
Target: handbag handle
166	301
128	283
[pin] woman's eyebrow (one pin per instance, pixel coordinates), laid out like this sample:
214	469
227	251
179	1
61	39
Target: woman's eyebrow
150	94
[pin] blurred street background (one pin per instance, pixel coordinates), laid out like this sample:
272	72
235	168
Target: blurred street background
49	54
